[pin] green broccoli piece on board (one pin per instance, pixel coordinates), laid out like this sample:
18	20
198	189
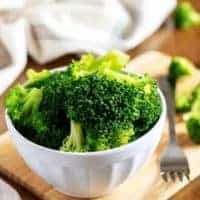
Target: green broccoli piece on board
183	102
74	141
193	121
180	68
185	16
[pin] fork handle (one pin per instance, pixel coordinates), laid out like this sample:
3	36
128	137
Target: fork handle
169	97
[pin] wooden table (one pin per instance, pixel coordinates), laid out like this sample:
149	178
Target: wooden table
167	39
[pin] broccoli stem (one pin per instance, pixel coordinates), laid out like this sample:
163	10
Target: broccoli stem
74	142
32	101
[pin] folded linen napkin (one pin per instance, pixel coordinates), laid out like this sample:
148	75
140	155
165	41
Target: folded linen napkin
48	29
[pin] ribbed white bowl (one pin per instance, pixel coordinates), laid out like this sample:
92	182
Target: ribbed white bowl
88	174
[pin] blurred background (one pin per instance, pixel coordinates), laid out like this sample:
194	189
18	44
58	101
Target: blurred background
48	33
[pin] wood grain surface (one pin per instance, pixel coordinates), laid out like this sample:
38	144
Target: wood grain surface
147	182
168	40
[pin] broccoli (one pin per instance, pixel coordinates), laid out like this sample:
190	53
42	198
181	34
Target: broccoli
180	68
74	141
182	72
100	104
107	108
96	142
23	108
89	64
91	106
193	121
34	76
122	136
22	102
37	110
183	102
185	16
114	60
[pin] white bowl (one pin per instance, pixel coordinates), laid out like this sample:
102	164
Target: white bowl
89	174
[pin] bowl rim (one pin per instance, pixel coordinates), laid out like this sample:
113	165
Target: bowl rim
95	153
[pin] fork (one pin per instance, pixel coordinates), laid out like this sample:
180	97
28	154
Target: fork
173	163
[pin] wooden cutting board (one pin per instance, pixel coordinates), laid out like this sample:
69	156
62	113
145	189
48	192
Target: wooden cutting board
145	185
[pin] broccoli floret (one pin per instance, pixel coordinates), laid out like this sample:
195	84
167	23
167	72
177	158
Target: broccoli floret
52	107
39	117
150	107
23	108
14	101
105	141
100	104
121	77
186	16
22	102
34	76
122	137
106	106
180	68
89	64
193	121
74	141
183	102
114	60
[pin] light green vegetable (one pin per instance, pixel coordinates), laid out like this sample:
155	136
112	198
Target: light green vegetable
91	106
186	16
75	140
193	121
179	68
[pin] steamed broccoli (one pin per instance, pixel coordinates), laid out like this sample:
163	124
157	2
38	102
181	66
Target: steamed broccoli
91	106
183	102
74	141
37	110
34	76
99	142
89	64
22	103
107	108
23	108
186	16
187	100
193	121
180	68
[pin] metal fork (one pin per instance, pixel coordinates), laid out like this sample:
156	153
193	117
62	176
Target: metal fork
174	163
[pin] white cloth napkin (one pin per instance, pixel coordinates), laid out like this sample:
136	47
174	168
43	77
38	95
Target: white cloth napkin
7	192
48	29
